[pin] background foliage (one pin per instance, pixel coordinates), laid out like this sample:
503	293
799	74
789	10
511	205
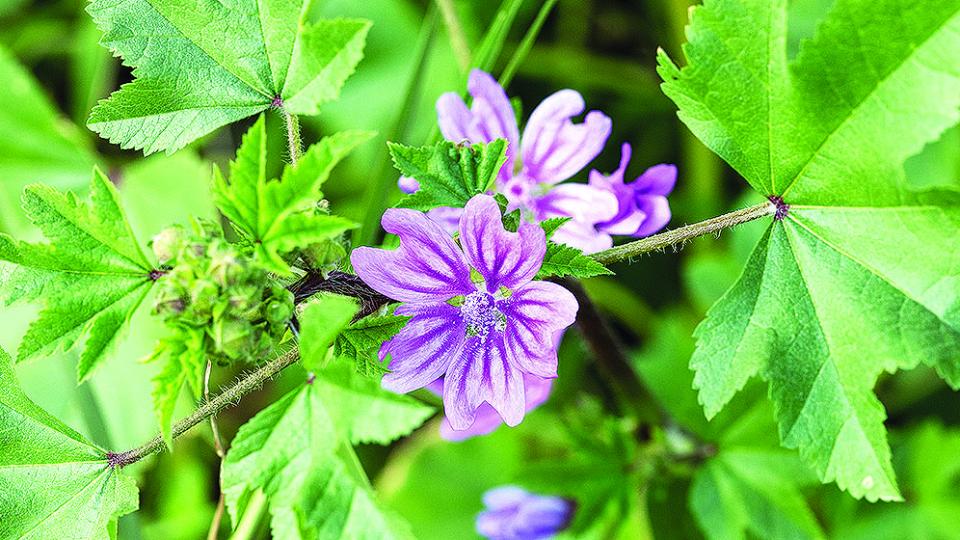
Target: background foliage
727	478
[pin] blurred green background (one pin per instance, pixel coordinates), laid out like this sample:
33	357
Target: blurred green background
53	71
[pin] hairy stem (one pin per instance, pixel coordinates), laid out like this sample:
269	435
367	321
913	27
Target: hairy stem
610	359
217	442
228	397
214	531
673	237
293	136
458	40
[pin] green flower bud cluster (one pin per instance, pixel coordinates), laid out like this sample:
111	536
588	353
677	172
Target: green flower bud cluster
213	290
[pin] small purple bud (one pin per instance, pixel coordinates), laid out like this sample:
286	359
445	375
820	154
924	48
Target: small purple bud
513	513
408	185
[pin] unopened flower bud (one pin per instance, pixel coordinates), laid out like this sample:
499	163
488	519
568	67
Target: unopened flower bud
166	244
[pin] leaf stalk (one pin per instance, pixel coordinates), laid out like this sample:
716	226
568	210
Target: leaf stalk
225	399
681	235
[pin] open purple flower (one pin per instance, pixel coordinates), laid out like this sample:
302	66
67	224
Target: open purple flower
536	390
551	150
643	206
477	317
513	513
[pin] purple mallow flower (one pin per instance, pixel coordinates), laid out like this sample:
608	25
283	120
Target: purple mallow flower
536	390
643	206
552	149
513	513
477	317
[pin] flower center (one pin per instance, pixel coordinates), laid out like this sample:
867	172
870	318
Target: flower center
479	311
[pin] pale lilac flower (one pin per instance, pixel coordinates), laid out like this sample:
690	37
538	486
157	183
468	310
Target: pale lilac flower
513	513
536	390
643	205
551	150
483	336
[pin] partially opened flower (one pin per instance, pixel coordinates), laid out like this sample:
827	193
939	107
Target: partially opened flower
513	513
643	205
477	317
536	390
552	149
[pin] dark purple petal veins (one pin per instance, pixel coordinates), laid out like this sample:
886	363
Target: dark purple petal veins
428	265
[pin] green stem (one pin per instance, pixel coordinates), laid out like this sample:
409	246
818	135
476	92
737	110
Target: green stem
632	396
228	397
249	522
681	235
385	177
294	148
458	40
526	44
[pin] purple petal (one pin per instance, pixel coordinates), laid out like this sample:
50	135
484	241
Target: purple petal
491	117
455	120
503	258
657	210
535	314
586	206
408	185
483	373
617	176
447	217
423	350
503	497
553	147
492	106
513	513
581	202
536	390
638	214
582	236
542	517
657	180
427	266
627	218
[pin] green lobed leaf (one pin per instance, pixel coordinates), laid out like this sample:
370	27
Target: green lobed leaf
360	343
320	323
562	260
449	173
279	216
90	278
201	65
746	486
298	451
183	362
38	144
928	465
53	483
828	300
755	491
